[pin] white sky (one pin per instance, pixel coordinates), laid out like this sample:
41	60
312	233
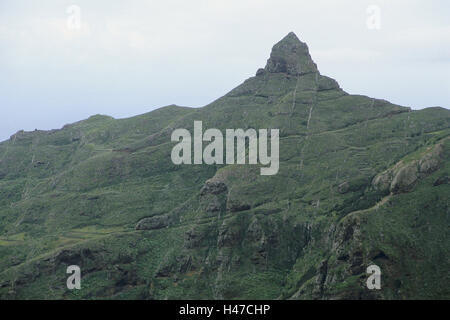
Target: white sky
130	57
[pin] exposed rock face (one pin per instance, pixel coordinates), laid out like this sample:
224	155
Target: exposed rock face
290	56
321	278
382	182
404	178
213	198
236	206
157	222
442	180
260	72
196	236
227	235
213	187
430	162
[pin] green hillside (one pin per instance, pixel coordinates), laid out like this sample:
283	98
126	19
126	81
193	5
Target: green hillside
361	181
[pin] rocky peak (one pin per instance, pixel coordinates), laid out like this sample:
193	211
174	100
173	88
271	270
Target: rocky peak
290	56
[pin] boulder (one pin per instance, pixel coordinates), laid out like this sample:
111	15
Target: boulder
382	182
151	223
405	178
431	161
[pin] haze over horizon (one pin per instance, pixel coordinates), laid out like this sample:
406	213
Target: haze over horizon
128	59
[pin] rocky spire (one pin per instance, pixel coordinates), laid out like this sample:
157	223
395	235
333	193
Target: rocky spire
290	56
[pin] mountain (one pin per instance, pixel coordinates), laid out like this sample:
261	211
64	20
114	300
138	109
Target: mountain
361	182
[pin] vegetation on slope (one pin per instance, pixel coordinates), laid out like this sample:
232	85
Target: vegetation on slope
360	182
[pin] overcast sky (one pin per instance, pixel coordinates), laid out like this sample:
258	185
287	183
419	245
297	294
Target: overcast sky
129	57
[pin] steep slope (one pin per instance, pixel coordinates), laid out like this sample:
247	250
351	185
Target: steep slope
361	181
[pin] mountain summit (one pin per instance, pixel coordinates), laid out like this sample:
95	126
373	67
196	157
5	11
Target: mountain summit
361	182
290	56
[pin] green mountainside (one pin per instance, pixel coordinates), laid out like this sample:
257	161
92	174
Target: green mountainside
361	182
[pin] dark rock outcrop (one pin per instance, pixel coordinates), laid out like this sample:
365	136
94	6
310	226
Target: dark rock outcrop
442	180
290	56
213	187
